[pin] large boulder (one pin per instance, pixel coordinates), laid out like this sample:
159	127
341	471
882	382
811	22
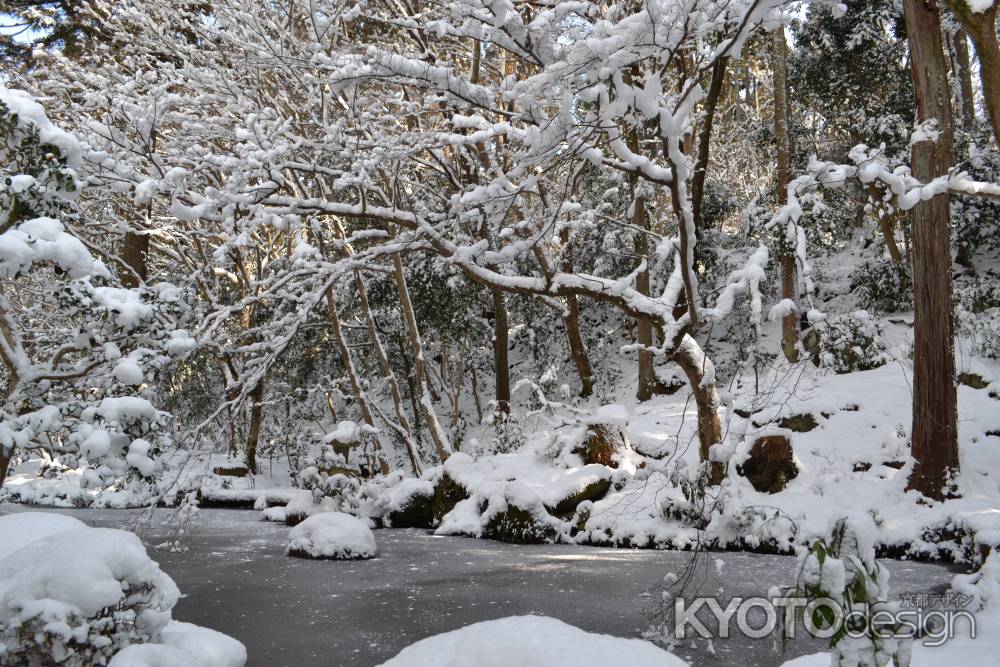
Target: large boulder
518	516
592	492
411	505
770	464
447	494
602	444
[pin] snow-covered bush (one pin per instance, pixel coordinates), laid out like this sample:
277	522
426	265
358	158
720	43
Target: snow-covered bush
851	342
75	596
332	535
883	286
842	568
82	385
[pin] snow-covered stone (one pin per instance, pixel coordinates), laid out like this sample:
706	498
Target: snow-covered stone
332	535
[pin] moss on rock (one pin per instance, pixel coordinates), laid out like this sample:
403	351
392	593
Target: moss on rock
447	494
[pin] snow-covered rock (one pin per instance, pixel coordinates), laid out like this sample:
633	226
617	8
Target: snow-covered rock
530	641
332	535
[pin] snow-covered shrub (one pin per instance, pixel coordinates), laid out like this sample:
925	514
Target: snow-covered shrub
332	535
508	433
883	286
842	568
83	385
76	596
79	594
979	297
981	333
852	342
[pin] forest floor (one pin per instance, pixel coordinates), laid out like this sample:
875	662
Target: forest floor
237	580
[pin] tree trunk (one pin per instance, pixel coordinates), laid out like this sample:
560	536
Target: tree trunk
6	454
961	69
700	373
352	376
779	66
347	358
981	28
390	377
705	142
422	396
571	318
135	254
935	431
644	326
500	358
256	417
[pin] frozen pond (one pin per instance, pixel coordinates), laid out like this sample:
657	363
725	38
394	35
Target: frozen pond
289	611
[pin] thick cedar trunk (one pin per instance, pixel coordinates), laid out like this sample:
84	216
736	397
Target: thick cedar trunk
421	395
981	28
500	344
135	255
256	417
571	318
779	66
935	432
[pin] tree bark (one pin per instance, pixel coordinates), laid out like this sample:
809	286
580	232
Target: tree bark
5	456
422	397
981	28
253	434
961	68
705	141
779	66
501	362
390	377
644	325
935	411
700	373
135	254
347	358
571	318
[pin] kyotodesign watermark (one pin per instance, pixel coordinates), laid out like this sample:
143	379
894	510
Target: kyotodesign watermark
824	618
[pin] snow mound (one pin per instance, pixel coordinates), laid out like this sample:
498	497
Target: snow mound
21	529
184	645
530	641
332	535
